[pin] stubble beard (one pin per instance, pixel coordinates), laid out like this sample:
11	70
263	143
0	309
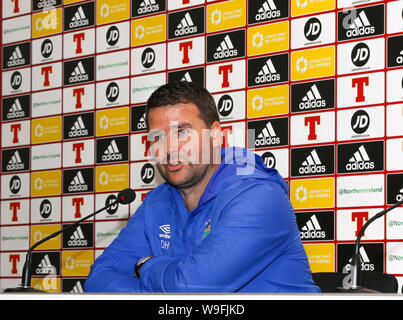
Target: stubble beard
195	175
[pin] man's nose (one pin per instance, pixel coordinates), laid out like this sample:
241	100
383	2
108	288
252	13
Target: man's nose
172	143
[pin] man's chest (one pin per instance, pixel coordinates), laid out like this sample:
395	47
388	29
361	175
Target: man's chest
177	237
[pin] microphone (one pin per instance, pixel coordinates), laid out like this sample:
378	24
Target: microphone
125	196
355	269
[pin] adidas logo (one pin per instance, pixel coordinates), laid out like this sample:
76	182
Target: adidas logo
78	74
366	264
360	26
78	129
15	162
78	288
46	4
16	58
142	122
312	229
112	153
148	6
79	19
77	239
267	137
16	110
186	77
45	266
312	164
360	161
312	99
268	10
267	74
186	26
78	183
226	49
399	59
399	196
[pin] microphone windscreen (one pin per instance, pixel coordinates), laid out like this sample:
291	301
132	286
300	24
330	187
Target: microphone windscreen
126	196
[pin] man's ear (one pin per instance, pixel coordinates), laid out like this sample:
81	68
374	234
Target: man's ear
216	134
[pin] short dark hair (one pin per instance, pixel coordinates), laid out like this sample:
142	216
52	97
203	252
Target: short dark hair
185	92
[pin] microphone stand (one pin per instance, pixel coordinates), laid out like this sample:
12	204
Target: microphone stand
355	270
26	271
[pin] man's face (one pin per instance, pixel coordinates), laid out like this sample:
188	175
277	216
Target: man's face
181	143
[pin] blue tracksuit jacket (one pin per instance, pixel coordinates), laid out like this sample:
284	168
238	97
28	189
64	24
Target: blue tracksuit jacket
242	237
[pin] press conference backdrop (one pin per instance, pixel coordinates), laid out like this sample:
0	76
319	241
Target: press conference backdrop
319	81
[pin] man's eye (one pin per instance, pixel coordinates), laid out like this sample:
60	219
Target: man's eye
156	137
183	132
159	137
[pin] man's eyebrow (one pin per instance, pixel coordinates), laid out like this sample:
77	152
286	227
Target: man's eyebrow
155	132
183	125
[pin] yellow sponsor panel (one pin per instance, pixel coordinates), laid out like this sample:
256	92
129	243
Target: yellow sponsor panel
300	7
46	130
226	15
39	232
113	177
148	30
71	1
320	257
48	284
77	262
112	121
312	193
268	101
313	63
112	10
46	183
267	38
47	22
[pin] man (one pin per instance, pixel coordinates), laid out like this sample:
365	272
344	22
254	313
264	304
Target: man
221	222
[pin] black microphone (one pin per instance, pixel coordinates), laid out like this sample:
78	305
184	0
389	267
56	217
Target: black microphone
125	196
355	268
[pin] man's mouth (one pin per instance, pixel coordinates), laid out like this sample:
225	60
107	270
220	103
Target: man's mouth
174	166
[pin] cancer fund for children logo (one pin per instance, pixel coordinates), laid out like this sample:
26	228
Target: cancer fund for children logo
312	193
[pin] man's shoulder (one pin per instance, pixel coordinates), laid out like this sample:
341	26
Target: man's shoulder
256	189
159	193
254	181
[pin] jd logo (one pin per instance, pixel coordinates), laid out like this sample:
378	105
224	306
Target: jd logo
360	54
269	159
112	92
225	105
46	48
45	209
112	36
313	29
360	121
148	58
16	80
15	184
147	173
112	209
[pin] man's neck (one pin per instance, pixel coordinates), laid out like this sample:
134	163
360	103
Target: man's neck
191	196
